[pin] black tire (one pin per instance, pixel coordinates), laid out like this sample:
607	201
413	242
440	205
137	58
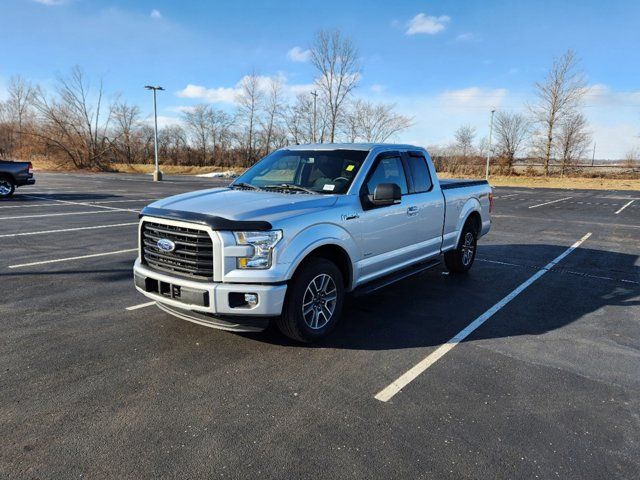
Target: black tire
461	259
7	187
315	325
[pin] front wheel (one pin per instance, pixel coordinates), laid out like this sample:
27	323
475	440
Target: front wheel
314	301
7	187
461	259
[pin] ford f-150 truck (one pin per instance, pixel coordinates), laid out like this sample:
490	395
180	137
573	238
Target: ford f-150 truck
14	174
301	228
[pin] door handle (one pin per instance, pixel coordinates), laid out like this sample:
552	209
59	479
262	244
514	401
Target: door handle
412	211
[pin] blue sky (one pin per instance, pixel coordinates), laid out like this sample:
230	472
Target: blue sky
443	63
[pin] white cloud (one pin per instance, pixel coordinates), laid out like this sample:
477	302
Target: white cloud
467	37
474	97
422	23
209	95
230	94
155	14
377	88
297	54
164	121
50	2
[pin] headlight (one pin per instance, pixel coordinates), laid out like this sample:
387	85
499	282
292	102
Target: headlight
262	243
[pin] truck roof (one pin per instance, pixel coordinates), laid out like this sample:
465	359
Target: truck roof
347	146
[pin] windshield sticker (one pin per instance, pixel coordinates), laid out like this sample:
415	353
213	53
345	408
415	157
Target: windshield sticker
329	188
350	168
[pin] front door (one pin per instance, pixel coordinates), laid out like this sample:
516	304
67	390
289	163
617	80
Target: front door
388	234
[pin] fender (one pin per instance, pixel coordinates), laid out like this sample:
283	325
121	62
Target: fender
470	206
299	247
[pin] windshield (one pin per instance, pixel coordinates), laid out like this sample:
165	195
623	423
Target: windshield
305	171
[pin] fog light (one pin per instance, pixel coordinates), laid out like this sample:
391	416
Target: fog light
251	299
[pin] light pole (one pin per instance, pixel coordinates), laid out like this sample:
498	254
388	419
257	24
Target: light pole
489	147
157	176
315	100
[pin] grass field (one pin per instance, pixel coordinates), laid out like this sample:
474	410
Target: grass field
601	183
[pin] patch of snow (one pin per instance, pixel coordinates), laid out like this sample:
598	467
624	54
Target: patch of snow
225	174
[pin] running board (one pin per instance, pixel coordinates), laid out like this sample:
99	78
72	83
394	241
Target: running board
392	278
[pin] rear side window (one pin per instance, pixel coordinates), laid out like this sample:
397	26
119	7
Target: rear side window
388	170
420	174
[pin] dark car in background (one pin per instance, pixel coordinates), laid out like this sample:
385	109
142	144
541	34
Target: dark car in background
13	175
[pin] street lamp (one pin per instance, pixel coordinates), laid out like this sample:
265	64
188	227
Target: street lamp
157	176
489	148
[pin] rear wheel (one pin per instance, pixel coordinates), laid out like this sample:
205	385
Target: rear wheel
314	301
7	187
461	259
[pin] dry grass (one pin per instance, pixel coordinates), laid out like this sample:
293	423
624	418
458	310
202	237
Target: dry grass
557	182
495	180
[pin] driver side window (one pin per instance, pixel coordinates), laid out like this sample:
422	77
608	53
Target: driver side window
388	170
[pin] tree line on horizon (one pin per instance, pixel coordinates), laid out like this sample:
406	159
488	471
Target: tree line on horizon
76	126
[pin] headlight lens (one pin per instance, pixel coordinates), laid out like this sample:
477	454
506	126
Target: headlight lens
262	243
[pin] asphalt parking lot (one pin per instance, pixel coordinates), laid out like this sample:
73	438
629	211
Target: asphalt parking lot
96	384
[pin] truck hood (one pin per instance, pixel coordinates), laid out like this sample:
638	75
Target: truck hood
246	205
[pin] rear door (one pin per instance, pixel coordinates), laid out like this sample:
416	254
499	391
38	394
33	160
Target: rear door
429	205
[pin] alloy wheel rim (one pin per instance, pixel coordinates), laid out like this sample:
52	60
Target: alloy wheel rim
319	301
5	187
468	247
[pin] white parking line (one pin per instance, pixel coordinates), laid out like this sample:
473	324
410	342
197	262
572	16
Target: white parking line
142	305
43	232
507	196
625	206
397	385
89	203
552	201
65	214
68	259
83	203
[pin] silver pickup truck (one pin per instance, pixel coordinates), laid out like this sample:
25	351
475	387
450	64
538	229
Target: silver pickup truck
301	228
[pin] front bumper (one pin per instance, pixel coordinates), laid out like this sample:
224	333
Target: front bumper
209	303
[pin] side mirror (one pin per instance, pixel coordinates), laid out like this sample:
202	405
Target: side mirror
386	194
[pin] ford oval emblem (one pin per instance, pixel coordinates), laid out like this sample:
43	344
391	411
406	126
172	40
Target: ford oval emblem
166	245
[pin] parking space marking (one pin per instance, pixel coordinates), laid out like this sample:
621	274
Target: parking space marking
43	232
142	305
552	201
406	378
625	206
65	214
507	196
89	203
84	204
68	259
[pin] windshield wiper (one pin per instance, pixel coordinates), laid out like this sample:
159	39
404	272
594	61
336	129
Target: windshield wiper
288	186
245	185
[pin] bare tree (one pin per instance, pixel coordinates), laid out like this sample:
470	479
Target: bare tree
299	119
72	122
559	95
511	130
369	122
197	121
249	107
125	139
172	143
273	112
336	59
18	108
464	137
573	139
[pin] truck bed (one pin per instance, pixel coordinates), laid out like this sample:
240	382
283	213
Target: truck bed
449	183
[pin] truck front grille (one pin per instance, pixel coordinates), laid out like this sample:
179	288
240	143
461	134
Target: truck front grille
191	258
